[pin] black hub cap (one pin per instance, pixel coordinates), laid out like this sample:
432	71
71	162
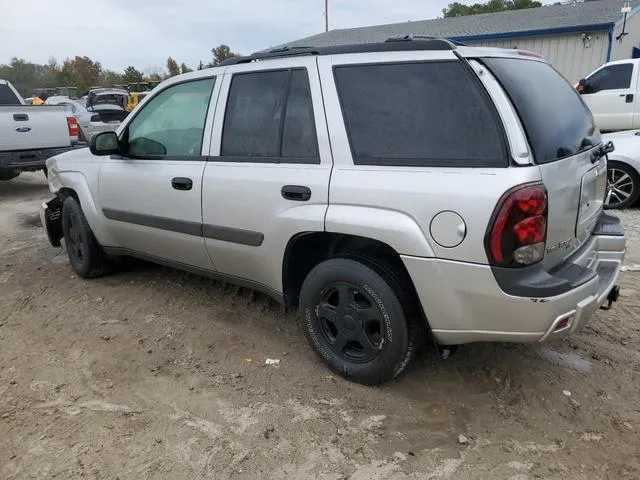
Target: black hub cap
76	244
350	322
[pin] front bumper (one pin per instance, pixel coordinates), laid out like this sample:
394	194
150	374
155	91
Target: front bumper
465	303
51	218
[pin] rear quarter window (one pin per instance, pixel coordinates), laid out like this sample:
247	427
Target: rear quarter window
557	122
419	114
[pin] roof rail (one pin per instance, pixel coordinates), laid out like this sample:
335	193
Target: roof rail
393	44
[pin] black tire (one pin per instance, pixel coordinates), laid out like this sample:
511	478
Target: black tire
623	186
84	252
338	302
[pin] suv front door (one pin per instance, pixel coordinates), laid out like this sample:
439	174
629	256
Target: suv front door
151	196
610	94
268	176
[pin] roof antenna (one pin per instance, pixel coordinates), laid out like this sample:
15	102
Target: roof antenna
626	9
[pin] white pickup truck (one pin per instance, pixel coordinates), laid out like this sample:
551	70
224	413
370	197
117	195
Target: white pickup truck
29	135
612	93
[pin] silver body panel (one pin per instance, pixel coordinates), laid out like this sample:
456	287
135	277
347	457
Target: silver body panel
246	224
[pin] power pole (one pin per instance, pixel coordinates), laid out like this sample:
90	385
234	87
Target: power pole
326	15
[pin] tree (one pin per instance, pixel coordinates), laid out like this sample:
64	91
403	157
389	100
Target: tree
172	67
201	66
184	68
81	72
220	54
109	78
131	75
458	9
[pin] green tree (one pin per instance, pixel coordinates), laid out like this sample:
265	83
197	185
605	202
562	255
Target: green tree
172	67
220	54
458	9
81	72
131	75
109	78
184	68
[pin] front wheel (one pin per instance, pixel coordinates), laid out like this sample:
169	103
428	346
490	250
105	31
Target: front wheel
84	252
623	186
354	321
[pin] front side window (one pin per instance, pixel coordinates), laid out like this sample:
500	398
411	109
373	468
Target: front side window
613	77
269	117
172	123
419	114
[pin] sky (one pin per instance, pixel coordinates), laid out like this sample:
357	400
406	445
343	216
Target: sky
143	33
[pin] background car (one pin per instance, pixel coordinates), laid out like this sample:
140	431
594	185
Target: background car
90	122
623	179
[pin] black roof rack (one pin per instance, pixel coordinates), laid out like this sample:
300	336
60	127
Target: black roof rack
393	44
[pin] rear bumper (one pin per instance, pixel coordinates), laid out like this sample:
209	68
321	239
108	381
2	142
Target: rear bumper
30	159
466	303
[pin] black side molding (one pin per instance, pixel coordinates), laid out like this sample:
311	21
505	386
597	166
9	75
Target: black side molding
216	232
163	223
233	235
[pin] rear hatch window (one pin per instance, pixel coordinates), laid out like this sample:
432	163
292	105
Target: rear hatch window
557	122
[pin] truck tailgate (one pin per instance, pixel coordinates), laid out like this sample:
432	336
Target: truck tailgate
24	127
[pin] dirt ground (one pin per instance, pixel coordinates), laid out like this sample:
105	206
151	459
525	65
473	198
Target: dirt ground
156	374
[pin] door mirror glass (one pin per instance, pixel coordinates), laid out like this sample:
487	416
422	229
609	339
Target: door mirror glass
104	143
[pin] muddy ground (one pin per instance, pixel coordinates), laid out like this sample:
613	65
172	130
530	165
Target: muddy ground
156	374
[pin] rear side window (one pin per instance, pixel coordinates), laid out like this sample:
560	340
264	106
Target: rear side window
557	122
419	114
269	118
7	97
613	77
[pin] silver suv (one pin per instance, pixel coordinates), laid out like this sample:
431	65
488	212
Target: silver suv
385	189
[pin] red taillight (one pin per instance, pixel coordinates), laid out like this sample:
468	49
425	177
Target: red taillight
518	230
74	130
528	53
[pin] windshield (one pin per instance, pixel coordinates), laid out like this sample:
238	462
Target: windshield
557	122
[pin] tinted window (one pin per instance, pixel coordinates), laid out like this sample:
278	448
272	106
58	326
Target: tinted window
418	114
172	123
7	97
613	77
556	120
254	113
299	134
269	115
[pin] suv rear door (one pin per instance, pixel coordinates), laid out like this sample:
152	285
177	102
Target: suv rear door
267	178
563	137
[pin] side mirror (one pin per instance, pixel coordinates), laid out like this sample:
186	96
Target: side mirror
582	86
104	143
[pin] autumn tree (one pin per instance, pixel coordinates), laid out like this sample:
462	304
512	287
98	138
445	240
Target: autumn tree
132	75
458	9
220	54
81	72
172	67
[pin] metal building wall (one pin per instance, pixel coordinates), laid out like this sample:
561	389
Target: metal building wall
622	50
572	56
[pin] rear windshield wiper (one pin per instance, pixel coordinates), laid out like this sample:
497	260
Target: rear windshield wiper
602	150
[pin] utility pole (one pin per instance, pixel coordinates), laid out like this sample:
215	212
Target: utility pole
326	15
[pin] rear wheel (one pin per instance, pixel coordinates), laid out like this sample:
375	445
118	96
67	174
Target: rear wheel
623	187
85	254
353	319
